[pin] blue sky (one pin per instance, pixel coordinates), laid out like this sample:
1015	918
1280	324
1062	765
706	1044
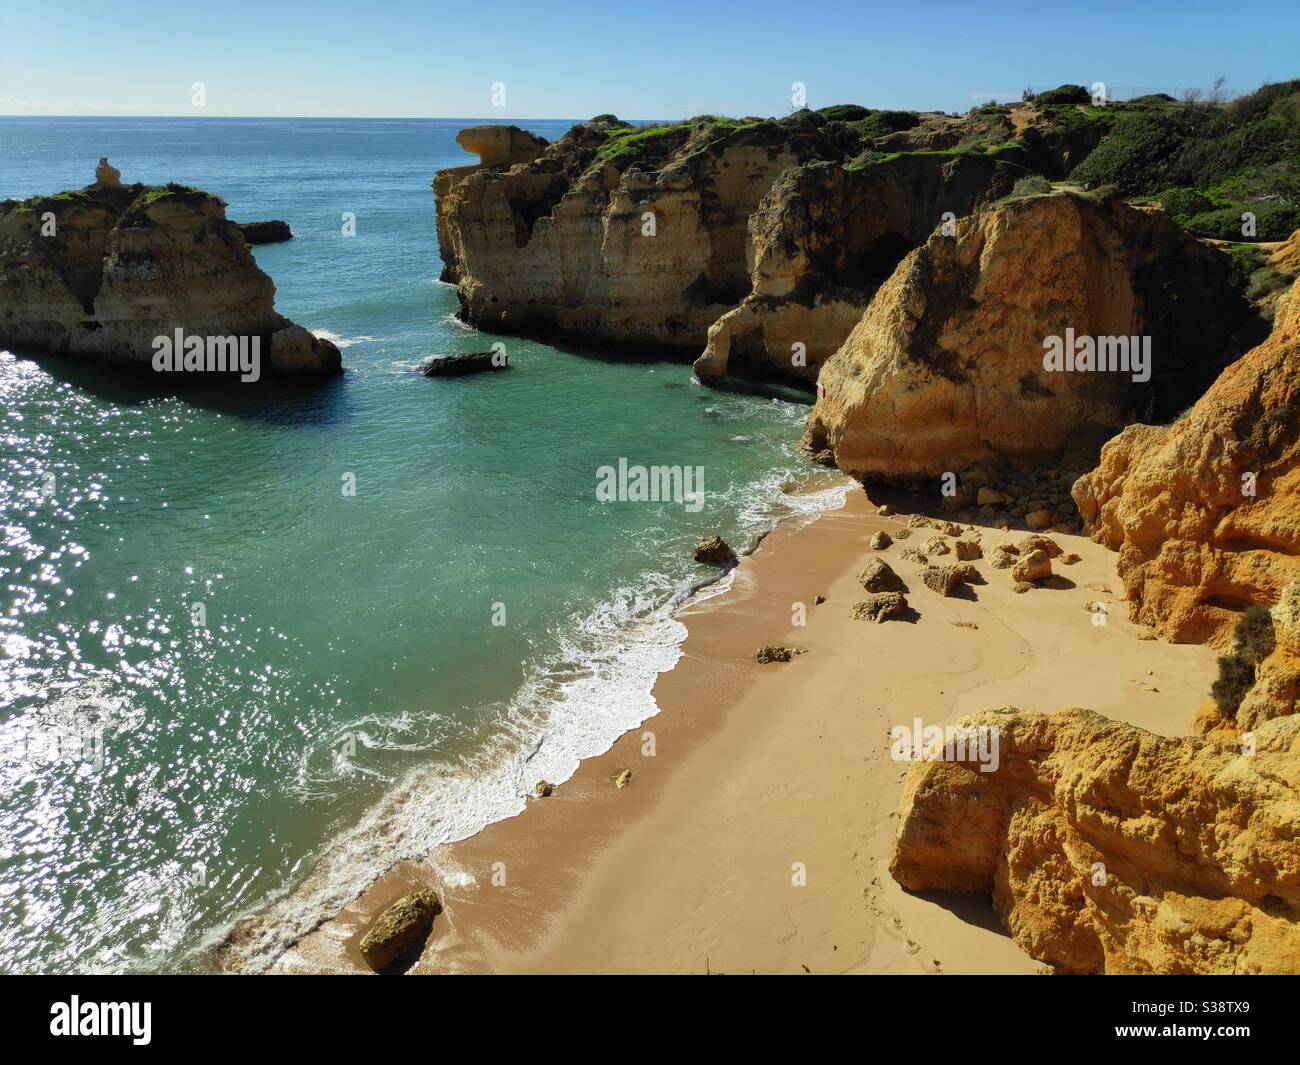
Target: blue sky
645	59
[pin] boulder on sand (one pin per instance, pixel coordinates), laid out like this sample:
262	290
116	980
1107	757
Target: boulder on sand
947	579
878	576
880	607
1035	566
399	928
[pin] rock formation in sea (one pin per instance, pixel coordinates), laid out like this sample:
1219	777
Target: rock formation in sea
100	272
614	233
650	235
946	369
1205	512
467	363
1109	849
273	232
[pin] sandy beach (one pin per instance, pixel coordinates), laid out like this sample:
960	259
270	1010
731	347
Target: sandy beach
755	833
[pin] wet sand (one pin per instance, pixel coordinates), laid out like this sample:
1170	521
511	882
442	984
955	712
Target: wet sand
755	833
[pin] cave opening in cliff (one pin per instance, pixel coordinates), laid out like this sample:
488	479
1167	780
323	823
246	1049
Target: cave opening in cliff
885	253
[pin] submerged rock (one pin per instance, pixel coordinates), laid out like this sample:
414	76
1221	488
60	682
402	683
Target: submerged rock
471	362
400	928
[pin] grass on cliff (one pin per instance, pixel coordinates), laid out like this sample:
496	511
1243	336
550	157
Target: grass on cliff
875	158
632	144
157	193
126	197
86	197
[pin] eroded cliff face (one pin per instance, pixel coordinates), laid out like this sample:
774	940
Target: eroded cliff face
738	238
823	239
613	233
119	266
946	368
1108	849
1205	513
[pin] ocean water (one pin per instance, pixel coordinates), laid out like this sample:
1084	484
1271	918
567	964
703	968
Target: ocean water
222	678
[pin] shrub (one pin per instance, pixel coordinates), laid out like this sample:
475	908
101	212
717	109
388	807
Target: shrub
1253	641
1064	94
1183	203
1244	151
1253	635
1236	678
1273	221
1155	99
1032	185
844	112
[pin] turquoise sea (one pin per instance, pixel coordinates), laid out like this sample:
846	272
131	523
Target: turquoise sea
159	777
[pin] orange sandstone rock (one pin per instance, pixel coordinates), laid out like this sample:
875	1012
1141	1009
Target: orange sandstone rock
946	368
1109	849
1205	513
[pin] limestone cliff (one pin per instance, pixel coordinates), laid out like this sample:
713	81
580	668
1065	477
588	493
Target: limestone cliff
615	233
101	272
824	238
1108	849
946	368
1205	513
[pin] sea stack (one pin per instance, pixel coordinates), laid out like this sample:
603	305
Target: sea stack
101	273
